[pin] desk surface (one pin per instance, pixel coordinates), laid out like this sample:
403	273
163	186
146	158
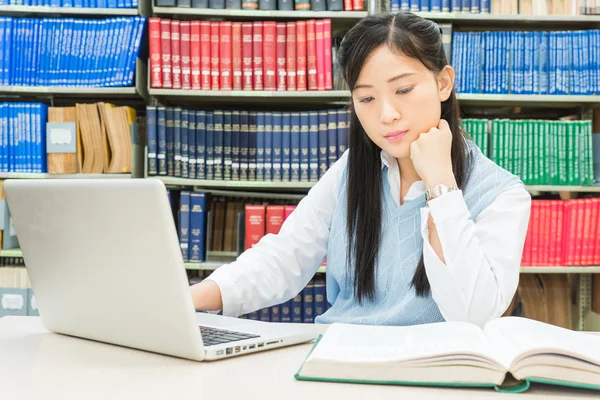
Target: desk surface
35	363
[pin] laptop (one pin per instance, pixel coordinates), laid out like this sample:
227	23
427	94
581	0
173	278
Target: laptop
105	264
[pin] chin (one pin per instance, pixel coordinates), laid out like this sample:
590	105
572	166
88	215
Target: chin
400	150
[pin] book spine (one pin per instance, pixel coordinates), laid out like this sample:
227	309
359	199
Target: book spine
268	161
270	55
184	224
327	53
218	145
155	53
252	127
281	56
286	311
277	146
275	215
185	161
186	70
214	55
255	224
308	304
301	84
275	314
151	135
176	54
295	147
304	147
323	145
165	47
247	58
311	54
244	142
195	55
342	131
286	146
227	160
235	145
320	49
192	162
313	143
225	55
257	53
197	248
200	144
177	115
260	146
291	55
297	314
205	54
210	145
236	45
164	118
358	5
332	148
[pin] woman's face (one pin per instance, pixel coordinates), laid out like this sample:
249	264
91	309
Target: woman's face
396	98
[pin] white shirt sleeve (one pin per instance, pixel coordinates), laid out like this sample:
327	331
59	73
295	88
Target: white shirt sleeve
483	258
279	266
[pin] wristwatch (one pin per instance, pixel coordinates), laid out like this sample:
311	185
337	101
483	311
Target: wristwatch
438	190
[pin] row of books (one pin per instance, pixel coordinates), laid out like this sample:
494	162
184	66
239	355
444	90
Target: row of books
564	62
267	5
523	7
243	145
225	55
563	232
23	137
69	52
16	296
540	152
303	308
73	3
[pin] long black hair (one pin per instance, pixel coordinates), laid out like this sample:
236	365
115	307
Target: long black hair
412	36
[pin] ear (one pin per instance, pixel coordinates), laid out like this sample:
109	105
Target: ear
445	80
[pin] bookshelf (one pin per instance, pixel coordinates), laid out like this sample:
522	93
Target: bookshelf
21	11
528	100
33	175
251	96
487	20
347	16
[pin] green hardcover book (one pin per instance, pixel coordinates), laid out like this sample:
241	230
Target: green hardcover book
456	354
509	131
530	161
564	154
544	158
502	144
518	129
589	155
554	151
486	137
494	140
571	154
539	165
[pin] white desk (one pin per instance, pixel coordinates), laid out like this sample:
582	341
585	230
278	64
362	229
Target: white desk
37	364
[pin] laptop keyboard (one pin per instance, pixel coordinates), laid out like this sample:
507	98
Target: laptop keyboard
214	336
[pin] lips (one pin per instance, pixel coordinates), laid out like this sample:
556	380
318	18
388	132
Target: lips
395	135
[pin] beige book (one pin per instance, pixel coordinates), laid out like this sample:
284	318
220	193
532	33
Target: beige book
116	122
526	7
88	121
63	163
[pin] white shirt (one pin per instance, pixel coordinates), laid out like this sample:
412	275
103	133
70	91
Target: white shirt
476	283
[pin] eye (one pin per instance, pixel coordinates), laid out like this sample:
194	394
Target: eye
365	99
404	90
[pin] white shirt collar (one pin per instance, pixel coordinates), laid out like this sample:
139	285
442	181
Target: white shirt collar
417	189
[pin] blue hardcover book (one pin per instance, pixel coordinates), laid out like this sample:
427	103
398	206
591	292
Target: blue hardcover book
200	145
304	147
135	46
227	145
405	5
528	62
268	158
319	293
44	119
265	314
191	144
297	310
244	142
584	62
30	140
332	146
275	314
323	135
436	5
252	146
395	5
184	224
594	40
177	116
184	143
285	311
342	131
260	146
167	155
475	6
163	115
197	226
235	145
552	64
308	316
544	56
277	146
286	146
3	44
3	136
255	316
295	147
313	143
425	5
446	6
485	6
415	5
466	6
218	142
210	145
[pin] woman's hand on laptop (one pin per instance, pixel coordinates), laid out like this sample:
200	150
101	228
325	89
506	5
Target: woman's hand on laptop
206	296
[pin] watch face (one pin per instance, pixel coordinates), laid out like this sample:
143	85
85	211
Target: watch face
439	190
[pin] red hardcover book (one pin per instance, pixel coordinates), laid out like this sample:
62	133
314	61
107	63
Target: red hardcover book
553	243
205	54
176	53
320	43
548	233
535	218
275	218
596	232
155	53
311	54
348	5
257	55
288	211
247	59
542	243
573	232
566	230
186	62
580	226
214	55
291	55
225	52
270	55
195	54
328	62
236	46
358	5
587	225
560	223
301	55
255	224
165	47
526	256
281	56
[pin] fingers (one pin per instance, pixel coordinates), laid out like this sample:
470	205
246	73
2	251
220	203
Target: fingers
443	125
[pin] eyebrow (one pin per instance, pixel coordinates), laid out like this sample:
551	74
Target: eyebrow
404	75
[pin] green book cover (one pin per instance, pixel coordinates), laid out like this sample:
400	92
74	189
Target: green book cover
486	137
495	141
553	129
589	156
562	135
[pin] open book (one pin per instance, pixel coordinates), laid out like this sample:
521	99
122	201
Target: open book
456	354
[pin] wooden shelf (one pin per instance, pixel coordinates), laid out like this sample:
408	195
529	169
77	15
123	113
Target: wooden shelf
19	11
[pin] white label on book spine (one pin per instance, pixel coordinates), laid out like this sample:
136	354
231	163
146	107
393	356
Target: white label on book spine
160	156
60	136
151	155
12	302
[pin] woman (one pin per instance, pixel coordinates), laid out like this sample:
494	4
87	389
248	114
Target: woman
417	225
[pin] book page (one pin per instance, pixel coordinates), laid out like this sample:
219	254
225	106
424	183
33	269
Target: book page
515	338
374	344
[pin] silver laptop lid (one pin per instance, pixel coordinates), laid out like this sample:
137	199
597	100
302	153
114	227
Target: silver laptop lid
104	261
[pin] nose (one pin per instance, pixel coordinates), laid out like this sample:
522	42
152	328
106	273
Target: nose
389	113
